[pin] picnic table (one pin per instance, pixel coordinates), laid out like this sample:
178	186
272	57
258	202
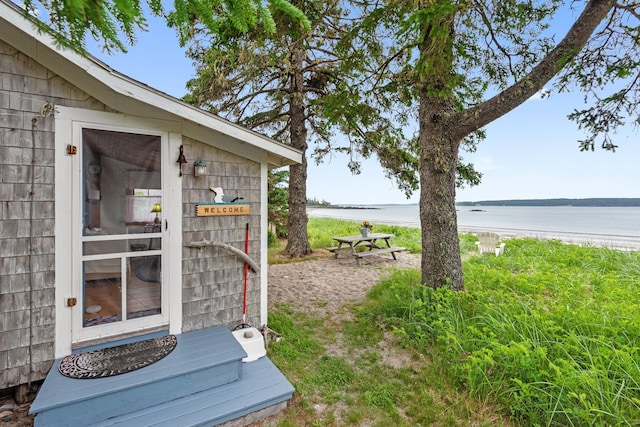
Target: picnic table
350	244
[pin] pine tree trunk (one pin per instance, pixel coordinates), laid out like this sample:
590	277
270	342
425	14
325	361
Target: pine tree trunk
441	262
298	240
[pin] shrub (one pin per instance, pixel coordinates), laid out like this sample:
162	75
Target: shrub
272	239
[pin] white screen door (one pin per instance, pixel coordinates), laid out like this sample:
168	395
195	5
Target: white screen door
119	284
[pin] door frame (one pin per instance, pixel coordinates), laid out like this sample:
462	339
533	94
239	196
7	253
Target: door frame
68	124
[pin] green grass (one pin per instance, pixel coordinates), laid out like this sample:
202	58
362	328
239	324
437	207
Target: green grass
547	334
358	385
321	231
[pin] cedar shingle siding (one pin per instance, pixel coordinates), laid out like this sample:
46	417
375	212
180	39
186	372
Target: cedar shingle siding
212	281
27	221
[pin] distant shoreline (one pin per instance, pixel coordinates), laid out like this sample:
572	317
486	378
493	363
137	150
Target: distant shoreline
339	207
611	241
595	202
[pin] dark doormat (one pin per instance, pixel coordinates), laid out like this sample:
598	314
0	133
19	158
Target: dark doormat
117	360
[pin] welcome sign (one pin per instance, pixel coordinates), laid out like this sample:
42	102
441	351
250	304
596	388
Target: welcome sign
222	209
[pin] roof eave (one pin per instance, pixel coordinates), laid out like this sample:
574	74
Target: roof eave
127	95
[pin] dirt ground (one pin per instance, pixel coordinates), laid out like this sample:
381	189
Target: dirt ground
328	283
323	284
14	414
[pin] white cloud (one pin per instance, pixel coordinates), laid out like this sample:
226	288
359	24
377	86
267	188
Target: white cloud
541	94
485	163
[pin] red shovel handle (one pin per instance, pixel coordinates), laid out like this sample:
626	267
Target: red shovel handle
246	273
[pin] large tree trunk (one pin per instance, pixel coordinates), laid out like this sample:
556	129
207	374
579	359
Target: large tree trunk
441	131
298	243
441	262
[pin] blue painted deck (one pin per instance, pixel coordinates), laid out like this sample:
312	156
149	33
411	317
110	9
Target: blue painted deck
202	382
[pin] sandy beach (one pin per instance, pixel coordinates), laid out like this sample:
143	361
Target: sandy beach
595	227
624	243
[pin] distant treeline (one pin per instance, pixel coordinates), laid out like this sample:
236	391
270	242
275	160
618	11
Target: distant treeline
594	202
316	202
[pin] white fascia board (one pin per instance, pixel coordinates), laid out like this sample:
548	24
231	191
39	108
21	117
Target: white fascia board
197	122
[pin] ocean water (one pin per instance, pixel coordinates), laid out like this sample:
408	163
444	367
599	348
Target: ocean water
602	226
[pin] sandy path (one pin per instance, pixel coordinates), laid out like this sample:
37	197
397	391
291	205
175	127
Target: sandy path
328	283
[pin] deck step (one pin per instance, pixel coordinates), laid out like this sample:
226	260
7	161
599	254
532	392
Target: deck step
261	386
202	360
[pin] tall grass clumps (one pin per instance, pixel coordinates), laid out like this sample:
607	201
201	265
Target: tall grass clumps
550	332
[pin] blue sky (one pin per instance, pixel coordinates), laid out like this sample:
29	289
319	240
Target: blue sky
530	153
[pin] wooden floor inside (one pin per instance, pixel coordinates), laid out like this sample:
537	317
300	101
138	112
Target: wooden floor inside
104	294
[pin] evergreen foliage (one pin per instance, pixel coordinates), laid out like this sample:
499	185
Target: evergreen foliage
304	87
248	80
111	21
278	209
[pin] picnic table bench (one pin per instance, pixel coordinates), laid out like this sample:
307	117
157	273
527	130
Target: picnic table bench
350	244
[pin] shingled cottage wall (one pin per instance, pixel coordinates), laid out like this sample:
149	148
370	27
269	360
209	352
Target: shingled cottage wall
212	279
27	242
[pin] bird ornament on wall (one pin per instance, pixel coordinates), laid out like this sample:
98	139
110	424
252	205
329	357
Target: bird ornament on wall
220	197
